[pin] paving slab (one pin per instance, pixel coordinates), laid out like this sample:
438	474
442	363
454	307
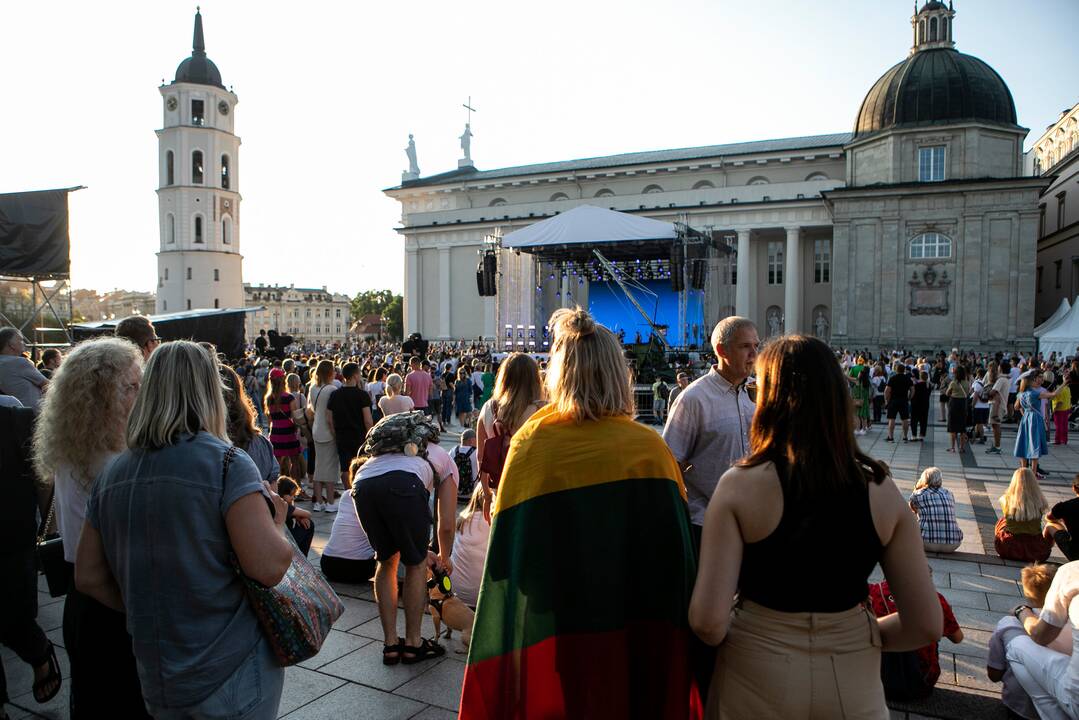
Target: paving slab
356	701
364	666
440	687
303	686
337	645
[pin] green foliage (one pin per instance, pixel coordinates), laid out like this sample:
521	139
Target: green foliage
384	303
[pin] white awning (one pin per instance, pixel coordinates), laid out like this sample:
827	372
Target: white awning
1053	319
1063	337
589	224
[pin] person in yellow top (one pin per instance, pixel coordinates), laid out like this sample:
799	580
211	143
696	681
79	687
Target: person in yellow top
1062	407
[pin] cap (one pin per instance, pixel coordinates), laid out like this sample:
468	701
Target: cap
277	373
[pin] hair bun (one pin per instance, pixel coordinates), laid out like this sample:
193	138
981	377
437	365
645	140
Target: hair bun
581	322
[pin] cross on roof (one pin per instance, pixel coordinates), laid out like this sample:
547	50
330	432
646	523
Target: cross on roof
468	106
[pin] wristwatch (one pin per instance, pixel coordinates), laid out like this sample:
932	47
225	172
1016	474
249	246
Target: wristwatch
1019	609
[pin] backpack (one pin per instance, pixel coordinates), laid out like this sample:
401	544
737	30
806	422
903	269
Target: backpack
495	450
465	483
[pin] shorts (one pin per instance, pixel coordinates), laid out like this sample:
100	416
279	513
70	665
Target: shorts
345	453
902	409
981	415
395	513
434	407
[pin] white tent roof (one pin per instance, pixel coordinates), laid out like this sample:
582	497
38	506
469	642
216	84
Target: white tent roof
1053	319
589	224
1062	338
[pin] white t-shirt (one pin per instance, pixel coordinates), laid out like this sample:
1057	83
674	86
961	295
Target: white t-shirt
71	497
347	538
1062	606
1013	375
477	379
320	398
447	468
382	464
976	392
396	404
469	556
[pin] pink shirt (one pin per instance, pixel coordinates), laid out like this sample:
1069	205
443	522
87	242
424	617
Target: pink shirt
418	384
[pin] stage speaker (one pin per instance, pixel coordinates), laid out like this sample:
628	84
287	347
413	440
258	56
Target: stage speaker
698	271
479	281
490	273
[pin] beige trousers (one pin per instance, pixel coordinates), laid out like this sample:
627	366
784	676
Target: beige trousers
798	666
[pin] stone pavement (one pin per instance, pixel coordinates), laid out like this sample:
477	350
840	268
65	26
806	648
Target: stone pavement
347	679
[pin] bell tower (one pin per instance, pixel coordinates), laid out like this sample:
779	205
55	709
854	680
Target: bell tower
199	264
932	26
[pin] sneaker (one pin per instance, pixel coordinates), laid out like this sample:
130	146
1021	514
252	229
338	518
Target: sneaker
1041	473
330	508
993	451
318	507
889	439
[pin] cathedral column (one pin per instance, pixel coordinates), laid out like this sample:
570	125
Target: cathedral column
444	293
412	291
792	282
746	273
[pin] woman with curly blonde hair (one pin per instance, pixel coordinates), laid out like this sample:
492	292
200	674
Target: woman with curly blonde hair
80	429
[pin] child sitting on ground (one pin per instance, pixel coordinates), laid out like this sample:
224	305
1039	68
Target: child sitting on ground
470	549
299	521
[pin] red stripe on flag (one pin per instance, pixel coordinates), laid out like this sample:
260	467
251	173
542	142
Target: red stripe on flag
637	672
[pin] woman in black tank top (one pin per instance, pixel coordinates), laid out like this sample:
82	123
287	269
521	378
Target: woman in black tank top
791	531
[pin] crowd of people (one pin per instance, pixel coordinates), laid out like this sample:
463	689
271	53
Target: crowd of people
612	570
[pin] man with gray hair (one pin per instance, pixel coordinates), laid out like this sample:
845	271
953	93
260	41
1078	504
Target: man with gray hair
18	376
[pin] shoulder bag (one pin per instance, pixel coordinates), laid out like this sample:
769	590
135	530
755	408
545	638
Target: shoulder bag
296	614
50	555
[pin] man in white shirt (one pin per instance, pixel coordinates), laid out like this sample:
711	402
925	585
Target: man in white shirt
18	376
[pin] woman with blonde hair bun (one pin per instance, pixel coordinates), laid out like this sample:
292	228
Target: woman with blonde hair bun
579	478
80	430
393	401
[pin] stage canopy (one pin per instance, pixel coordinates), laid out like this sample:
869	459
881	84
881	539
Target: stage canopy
1062	338
223	327
578	230
1054	319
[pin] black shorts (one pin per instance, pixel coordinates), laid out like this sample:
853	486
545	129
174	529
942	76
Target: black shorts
434	407
981	415
346	452
394	512
900	408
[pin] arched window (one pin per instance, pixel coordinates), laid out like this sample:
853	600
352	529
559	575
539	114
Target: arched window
170	229
559	196
932	29
196	167
166	273
944	29
930	246
226	231
759	180
198	228
605	193
816	176
189	273
217	275
225	172
648	190
921	31
703	185
170	168
497	201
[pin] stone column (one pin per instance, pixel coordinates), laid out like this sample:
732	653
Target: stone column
444	293
412	291
745	276
792	282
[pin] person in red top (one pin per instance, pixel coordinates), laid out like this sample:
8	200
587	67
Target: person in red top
880	596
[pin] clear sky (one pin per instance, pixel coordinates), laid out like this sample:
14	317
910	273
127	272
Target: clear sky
329	92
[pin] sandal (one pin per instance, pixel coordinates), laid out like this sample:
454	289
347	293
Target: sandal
427	649
395	657
41	695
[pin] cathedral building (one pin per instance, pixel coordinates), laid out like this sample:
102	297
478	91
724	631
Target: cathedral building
199	263
917	229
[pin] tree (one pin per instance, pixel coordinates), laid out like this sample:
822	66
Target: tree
385	304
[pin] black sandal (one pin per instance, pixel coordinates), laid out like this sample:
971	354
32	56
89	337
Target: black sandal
387	649
427	649
54	676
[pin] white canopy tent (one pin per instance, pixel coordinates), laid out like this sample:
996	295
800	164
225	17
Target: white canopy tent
589	224
1054	319
1062	338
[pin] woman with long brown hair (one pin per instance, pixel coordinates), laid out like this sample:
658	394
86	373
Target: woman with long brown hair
795	529
242	429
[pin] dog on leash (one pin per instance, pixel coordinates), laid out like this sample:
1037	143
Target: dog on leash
446	608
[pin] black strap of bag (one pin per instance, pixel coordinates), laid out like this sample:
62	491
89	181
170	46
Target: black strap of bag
50	555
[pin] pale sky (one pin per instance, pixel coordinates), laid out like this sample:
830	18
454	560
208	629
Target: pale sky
330	91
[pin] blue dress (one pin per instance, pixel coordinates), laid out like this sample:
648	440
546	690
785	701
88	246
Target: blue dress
462	396
1031	444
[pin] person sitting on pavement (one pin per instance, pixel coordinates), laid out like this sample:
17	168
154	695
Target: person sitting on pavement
348	556
470	549
1050	678
1062	524
935	507
1018	534
299	521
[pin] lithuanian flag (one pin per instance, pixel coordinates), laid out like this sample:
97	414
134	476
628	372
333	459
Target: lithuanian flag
583	610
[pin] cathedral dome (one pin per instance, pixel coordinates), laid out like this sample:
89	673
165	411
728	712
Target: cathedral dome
936	84
198	68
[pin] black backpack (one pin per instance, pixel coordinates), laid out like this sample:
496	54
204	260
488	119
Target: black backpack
466	483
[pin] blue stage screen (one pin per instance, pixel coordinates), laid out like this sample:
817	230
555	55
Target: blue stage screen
610	306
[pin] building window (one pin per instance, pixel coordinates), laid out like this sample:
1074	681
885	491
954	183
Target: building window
775	262
170	168
1060	210
198	112
931	164
759	180
196	167
164	304
170	229
189	303
704	185
338	313
605	193
498	201
1039	278
217	275
652	189
189	273
822	261
559	196
226	232
928	246
1041	221
225	172
1059	264
217	303
198	228
166	273
816	176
